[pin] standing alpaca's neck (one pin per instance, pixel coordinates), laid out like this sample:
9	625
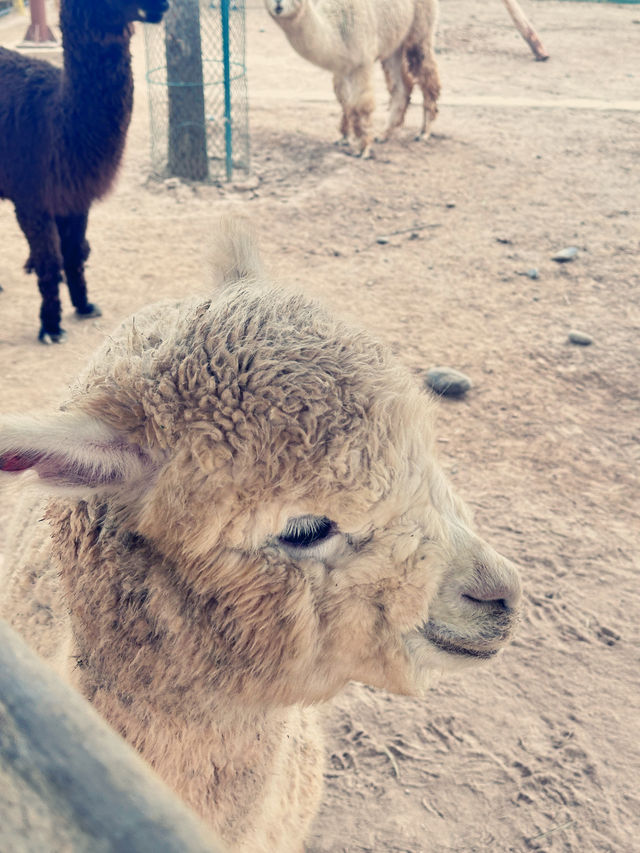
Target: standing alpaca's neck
314	36
97	95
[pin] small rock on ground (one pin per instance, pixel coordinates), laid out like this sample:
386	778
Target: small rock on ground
250	183
565	255
447	381
581	338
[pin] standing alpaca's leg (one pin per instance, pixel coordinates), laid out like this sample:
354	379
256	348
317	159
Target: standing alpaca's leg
399	84
75	251
421	62
46	261
360	106
339	87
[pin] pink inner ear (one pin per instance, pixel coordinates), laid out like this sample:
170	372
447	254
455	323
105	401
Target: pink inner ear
18	462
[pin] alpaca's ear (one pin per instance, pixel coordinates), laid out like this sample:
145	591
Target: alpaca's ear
71	452
235	251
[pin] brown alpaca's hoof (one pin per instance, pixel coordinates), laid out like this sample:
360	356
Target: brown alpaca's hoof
52	337
91	310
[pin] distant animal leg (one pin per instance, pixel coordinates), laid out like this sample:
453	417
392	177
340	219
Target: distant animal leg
46	261
421	63
340	89
361	104
399	84
75	251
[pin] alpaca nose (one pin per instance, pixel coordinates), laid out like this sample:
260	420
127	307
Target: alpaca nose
497	584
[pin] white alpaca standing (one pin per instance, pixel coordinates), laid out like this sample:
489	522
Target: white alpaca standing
249	514
347	37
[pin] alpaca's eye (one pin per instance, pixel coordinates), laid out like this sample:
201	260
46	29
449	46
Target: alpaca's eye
307	530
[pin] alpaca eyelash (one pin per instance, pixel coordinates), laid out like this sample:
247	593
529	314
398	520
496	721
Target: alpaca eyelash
307	530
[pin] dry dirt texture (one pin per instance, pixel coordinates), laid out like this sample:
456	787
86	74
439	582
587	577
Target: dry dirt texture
540	750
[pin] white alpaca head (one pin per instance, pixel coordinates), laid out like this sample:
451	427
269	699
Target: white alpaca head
280	467
283	9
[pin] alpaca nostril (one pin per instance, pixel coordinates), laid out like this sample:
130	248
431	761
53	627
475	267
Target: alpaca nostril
503	592
494	580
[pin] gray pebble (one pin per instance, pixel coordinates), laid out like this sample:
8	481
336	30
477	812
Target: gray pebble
565	255
533	273
250	183
447	381
382	241
581	338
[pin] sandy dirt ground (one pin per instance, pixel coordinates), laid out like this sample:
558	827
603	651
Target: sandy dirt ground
541	750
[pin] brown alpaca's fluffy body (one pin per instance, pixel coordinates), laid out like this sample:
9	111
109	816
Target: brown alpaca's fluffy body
62	135
347	37
201	623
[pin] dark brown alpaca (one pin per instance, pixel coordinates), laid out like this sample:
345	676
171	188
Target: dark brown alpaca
62	135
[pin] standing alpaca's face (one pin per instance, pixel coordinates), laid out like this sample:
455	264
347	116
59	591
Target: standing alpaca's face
281	469
283	8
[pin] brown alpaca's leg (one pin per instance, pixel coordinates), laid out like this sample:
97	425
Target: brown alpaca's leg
45	260
75	251
421	62
399	84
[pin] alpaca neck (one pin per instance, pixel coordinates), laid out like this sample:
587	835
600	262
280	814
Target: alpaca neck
233	767
97	89
313	35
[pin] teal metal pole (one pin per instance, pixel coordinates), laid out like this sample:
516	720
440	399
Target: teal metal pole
226	64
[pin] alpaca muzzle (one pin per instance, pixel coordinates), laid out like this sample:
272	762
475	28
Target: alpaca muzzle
482	641
477	607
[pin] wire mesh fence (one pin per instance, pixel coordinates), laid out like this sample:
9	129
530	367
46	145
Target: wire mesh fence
197	83
7	6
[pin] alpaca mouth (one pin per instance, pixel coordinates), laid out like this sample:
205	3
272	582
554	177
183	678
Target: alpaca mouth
452	648
482	647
